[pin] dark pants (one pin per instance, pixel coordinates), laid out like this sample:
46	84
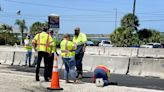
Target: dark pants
45	55
50	65
100	73
79	58
35	61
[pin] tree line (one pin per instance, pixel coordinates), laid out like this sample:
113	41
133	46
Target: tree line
128	33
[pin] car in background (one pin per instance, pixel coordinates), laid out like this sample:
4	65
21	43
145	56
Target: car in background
105	43
90	43
152	45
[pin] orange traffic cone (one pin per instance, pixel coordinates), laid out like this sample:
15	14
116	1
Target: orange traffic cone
55	76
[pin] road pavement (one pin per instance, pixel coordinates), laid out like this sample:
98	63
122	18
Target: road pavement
122	80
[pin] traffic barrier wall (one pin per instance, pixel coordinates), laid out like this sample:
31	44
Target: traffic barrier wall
151	52
153	67
19	58
147	67
112	51
136	66
115	64
95	50
2	56
6	57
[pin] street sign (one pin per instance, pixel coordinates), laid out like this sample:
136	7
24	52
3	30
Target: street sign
53	21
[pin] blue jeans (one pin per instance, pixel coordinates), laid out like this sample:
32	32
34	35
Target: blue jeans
100	73
69	68
28	57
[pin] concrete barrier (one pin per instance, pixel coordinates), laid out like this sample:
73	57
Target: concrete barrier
116	64
153	67
151	52
136	66
95	50
6	57
147	67
123	52
19	58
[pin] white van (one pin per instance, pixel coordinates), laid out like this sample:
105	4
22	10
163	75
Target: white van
105	43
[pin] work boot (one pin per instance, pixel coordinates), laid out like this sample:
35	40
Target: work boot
80	76
46	79
25	64
37	78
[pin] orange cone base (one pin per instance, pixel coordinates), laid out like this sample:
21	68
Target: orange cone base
55	88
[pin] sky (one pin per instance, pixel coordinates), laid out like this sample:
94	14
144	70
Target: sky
92	16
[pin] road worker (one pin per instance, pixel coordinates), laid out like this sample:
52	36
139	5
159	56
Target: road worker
28	47
68	56
51	57
80	40
101	76
42	41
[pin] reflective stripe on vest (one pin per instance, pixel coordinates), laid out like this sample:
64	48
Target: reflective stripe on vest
66	48
47	42
38	41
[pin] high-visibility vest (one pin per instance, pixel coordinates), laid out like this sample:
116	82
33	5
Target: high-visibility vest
103	67
43	41
53	48
80	39
28	44
67	49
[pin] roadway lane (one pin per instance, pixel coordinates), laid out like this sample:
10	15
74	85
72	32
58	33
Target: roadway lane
122	80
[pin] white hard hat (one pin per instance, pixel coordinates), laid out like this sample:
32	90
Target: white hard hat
99	82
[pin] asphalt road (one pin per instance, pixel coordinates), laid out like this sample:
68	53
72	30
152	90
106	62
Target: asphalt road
122	80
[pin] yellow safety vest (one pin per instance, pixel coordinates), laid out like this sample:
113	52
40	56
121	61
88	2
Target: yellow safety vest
67	49
43	41
80	39
29	45
53	48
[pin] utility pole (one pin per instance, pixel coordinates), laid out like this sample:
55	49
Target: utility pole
0	6
134	7
134	10
115	18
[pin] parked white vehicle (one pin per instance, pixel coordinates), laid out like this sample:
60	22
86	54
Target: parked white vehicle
152	45
105	43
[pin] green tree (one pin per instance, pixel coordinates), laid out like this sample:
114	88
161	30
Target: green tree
5	32
37	26
149	36
130	21
156	36
126	34
22	27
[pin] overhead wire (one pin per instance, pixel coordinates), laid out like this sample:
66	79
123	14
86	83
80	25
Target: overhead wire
57	6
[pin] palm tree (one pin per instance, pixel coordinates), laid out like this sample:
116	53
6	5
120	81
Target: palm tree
6	29
22	26
37	26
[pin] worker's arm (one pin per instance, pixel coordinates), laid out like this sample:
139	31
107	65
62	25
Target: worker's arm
51	44
34	42
84	41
